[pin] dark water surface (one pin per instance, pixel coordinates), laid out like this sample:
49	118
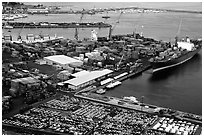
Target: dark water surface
178	88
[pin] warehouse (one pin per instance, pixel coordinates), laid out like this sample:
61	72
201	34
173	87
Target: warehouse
64	61
87	79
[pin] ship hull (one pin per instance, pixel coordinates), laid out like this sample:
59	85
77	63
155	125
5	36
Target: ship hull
157	66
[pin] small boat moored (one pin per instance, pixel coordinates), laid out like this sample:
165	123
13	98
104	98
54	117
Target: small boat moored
101	91
114	84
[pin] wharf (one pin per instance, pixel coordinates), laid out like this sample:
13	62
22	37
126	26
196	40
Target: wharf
55	25
139	71
139	106
18	129
99	11
115	102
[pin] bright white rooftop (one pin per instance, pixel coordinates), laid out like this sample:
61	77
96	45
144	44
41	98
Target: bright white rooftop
62	59
80	73
88	77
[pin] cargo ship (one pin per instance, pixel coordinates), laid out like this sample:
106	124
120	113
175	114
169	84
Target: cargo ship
17	25
31	39
181	52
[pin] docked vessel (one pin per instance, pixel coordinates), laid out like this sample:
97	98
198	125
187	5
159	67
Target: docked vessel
105	17
8	27
101	91
131	99
31	39
114	84
181	52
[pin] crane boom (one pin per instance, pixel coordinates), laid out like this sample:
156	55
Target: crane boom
112	28
76	29
179	29
120	62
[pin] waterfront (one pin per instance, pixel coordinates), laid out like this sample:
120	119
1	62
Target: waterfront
179	89
161	26
45	85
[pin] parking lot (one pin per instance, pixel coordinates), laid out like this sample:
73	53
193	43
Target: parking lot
71	115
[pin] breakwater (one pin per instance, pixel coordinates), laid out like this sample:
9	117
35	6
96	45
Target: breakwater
55	25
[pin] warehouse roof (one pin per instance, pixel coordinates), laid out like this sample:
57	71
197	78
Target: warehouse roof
62	59
80	73
88	77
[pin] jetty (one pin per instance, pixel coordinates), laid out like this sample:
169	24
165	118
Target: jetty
55	25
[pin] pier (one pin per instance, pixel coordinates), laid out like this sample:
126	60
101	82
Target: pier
54	25
99	11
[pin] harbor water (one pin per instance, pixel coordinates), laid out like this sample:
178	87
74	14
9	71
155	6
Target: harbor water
178	88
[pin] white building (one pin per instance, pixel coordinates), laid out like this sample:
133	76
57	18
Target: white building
87	79
63	61
186	45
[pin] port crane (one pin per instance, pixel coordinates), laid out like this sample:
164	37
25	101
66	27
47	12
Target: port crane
19	36
179	29
76	35
112	28
4	27
118	64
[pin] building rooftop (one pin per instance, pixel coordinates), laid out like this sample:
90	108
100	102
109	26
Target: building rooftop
81	73
88	77
62	59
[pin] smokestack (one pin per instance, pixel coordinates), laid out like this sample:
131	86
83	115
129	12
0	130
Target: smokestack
187	39
94	35
110	33
176	40
76	34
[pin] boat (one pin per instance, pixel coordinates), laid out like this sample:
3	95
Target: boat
131	99
101	91
105	17
8	18
181	52
31	39
113	84
8	27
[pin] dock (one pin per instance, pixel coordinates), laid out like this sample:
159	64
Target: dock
17	25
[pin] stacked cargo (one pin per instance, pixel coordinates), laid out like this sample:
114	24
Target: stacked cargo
80	49
171	53
35	92
6	104
25	83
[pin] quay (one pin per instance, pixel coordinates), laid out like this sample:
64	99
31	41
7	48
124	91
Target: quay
57	80
100	11
54	25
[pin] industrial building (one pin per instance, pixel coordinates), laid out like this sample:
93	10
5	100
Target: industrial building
87	79
64	61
